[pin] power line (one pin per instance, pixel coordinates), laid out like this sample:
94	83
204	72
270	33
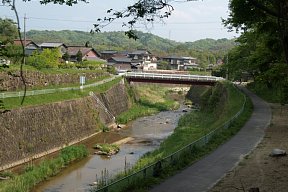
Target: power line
90	21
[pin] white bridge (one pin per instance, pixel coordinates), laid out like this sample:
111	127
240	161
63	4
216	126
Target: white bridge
172	78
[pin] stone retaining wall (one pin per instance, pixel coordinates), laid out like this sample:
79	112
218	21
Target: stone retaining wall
30	131
11	81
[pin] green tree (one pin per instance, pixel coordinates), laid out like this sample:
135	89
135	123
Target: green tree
263	16
8	31
66	56
163	65
48	58
79	56
13	52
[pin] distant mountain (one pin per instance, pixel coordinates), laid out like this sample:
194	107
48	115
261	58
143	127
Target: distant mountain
119	41
211	44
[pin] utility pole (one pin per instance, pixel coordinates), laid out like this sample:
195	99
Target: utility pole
24	60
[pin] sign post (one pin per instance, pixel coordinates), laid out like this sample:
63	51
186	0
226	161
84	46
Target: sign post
82	81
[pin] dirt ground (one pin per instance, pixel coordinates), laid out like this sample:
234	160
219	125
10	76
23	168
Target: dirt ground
258	169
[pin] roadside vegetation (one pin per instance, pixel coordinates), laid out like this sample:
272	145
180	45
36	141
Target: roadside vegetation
272	94
32	175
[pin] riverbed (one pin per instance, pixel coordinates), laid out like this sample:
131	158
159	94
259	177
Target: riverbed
146	134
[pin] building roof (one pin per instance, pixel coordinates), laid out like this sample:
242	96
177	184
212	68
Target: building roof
108	52
192	58
26	42
52	45
73	50
140	52
177	57
121	59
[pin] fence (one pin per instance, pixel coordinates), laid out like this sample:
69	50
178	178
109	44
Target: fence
154	169
4	95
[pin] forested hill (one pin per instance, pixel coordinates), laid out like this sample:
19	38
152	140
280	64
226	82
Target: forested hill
118	41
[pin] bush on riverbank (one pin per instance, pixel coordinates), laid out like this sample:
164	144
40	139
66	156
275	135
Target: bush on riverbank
270	94
47	168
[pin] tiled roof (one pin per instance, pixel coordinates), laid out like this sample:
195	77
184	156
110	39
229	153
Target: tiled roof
122	59
188	57
172	57
140	52
18	42
74	50
52	45
108	52
177	57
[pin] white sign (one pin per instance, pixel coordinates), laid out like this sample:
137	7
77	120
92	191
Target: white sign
82	80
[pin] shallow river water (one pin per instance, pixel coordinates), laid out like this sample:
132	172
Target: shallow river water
147	134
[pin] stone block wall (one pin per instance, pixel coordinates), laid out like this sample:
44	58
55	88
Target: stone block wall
11	81
29	131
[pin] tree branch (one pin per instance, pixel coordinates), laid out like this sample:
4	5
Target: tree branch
262	7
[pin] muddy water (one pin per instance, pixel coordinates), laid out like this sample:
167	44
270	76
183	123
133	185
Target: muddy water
147	134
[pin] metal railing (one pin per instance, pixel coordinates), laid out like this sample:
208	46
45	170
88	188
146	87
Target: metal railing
173	77
102	105
153	169
4	95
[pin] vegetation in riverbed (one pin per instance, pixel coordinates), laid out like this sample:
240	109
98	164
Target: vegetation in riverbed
106	149
47	168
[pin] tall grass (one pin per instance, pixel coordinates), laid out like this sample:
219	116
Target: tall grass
47	168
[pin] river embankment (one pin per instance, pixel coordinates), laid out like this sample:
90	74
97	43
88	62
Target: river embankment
31	132
144	134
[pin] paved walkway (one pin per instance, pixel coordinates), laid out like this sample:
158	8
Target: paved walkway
202	175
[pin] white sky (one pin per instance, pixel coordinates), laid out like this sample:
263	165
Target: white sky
189	22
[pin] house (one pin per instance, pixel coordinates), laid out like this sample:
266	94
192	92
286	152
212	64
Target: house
50	45
88	53
107	54
142	58
149	66
181	63
121	63
29	45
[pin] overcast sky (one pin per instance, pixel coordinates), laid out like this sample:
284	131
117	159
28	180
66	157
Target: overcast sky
189	22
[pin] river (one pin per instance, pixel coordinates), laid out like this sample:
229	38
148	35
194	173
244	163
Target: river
147	134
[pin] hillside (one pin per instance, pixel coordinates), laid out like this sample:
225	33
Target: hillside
118	40
206	50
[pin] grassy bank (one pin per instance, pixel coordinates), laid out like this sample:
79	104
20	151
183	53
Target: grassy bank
12	103
47	168
148	100
227	101
196	124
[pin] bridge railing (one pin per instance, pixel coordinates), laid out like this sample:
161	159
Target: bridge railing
152	170
172	76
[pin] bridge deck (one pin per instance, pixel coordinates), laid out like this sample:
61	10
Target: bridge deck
172	78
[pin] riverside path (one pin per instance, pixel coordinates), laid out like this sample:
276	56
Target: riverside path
205	173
